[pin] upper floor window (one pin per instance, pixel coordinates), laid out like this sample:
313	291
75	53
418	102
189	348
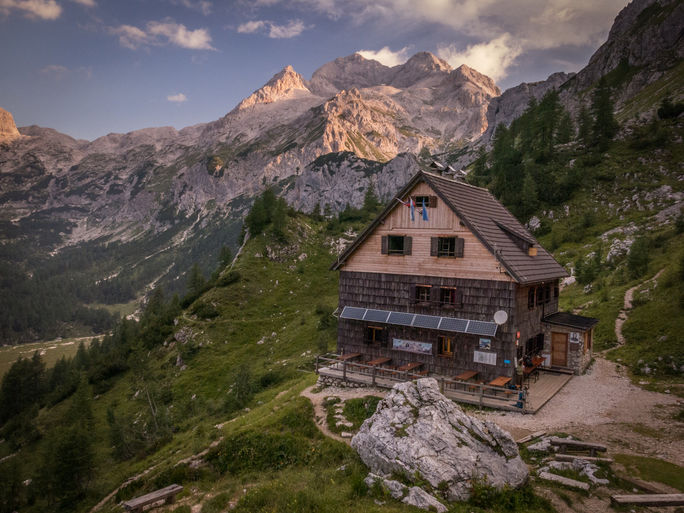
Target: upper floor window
450	297
530	298
376	335
396	245
446	247
423	293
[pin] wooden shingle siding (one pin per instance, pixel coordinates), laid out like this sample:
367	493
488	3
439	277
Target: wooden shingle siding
396	292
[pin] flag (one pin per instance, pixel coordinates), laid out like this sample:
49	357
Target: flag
425	215
413	209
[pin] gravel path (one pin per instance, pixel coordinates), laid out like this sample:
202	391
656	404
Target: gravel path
626	306
604	406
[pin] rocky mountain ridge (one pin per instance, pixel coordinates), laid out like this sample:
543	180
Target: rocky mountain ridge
355	123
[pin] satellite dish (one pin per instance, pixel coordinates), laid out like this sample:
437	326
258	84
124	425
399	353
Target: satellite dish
500	317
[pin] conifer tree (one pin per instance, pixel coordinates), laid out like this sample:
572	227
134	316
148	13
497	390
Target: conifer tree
584	122
605	126
566	129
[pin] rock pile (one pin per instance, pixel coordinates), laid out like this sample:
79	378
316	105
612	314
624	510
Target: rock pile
421	435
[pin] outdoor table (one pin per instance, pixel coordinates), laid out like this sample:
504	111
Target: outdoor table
465	376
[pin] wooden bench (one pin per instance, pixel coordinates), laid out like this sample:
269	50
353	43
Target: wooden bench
663	499
565	443
167	495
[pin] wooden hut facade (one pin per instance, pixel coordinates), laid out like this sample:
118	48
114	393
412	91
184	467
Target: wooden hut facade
423	282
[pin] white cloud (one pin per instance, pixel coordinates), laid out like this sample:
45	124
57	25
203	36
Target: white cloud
86	3
199	5
55	70
37	9
251	26
292	29
177	98
386	56
160	33
178	34
492	58
58	72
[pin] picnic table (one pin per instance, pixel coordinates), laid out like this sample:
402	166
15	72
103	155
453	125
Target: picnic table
348	356
379	361
465	376
501	381
533	370
410	366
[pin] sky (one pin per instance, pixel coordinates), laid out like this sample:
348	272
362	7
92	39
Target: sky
91	67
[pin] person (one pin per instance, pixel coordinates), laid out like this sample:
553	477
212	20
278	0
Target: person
519	371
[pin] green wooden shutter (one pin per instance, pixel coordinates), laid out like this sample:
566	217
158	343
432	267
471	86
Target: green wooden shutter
459	247
408	243
384	245
434	246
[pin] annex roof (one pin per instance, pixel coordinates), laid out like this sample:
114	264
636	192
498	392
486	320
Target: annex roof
498	230
571	320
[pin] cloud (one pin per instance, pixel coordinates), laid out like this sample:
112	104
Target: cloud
161	33
251	27
492	58
86	3
292	29
177	98
386	56
55	70
199	5
36	9
58	72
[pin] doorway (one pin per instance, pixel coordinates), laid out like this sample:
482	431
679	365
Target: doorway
559	349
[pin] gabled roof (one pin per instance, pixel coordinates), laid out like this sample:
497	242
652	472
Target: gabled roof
488	220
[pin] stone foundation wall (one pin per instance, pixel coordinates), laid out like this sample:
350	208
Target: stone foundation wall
329	381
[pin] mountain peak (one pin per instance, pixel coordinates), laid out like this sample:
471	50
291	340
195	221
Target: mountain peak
468	74
8	130
286	84
428	62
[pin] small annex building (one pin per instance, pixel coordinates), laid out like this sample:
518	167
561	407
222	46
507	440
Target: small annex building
423	282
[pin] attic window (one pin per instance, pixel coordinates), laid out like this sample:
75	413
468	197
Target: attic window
428	201
525	243
396	245
449	247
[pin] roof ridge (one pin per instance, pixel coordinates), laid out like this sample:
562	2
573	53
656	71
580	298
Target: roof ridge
457	182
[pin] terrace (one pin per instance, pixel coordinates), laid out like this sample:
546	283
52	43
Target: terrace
463	388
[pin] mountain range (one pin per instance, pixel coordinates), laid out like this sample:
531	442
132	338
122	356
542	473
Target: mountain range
162	192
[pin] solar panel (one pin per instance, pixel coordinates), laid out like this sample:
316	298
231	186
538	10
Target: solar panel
400	318
451	324
352	312
482	328
376	315
426	321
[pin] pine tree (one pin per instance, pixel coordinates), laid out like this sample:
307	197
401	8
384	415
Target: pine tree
605	126
196	281
566	129
585	123
371	204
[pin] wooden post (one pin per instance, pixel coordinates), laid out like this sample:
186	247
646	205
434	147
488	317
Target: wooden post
481	394
374	371
441	385
344	371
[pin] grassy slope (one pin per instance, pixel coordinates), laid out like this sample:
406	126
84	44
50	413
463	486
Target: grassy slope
615	195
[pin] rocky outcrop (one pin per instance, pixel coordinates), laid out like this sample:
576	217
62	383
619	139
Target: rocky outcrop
418	433
8	130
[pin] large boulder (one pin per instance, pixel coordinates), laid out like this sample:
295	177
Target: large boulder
418	433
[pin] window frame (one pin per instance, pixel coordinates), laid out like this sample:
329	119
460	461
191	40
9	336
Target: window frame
441	339
379	335
421	292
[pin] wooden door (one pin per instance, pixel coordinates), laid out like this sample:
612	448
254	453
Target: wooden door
559	349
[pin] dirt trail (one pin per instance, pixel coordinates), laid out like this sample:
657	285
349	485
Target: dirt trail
317	399
627	305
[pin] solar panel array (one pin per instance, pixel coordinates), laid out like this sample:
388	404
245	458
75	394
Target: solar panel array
419	321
